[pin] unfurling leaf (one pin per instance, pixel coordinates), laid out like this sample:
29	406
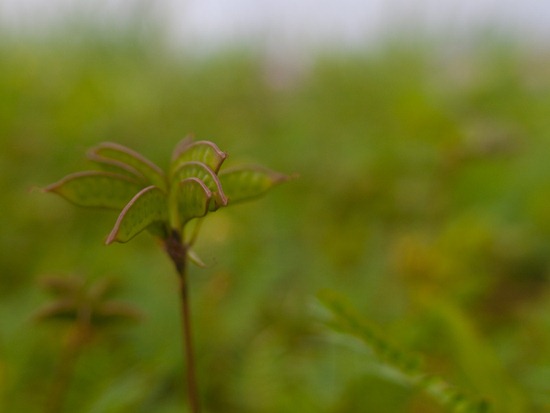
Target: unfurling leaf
108	152
147	207
96	189
118	167
207	176
192	198
242	184
201	151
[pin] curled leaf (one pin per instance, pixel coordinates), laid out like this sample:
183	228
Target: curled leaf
199	170
118	167
146	208
96	189
244	183
201	151
192	198
121	154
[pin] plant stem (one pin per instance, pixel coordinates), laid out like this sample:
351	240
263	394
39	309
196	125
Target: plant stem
178	253
188	344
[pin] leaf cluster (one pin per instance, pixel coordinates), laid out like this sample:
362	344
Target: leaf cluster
149	198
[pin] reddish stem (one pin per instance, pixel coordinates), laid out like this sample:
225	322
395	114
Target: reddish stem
178	253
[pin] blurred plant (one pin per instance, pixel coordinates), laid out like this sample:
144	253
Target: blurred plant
404	368
89	309
165	203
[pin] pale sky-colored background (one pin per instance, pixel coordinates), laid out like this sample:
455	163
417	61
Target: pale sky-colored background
298	23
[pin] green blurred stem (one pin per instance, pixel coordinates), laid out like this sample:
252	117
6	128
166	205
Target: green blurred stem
177	251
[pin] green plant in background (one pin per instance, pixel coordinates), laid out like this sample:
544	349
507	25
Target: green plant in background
164	203
406	368
88	308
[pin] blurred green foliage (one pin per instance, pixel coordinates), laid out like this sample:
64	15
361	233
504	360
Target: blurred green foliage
423	197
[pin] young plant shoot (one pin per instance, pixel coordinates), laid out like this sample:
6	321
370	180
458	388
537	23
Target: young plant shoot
88	309
163	203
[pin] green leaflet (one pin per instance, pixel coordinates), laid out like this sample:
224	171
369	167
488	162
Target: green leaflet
192	198
201	151
347	320
108	152
200	171
242	184
118	167
147	207
96	189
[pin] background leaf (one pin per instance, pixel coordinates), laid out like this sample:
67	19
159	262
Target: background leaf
407	366
149	206
96	189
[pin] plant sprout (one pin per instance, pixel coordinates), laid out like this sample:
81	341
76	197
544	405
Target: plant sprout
87	308
164	203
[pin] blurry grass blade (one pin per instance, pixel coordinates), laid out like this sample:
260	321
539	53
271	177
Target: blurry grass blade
199	170
146	208
242	184
192	198
202	151
135	160
96	189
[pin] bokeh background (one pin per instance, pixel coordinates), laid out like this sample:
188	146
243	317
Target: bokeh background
420	132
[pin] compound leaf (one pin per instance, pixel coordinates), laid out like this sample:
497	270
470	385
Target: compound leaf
148	207
408	367
96	189
108	152
201	151
244	183
199	170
